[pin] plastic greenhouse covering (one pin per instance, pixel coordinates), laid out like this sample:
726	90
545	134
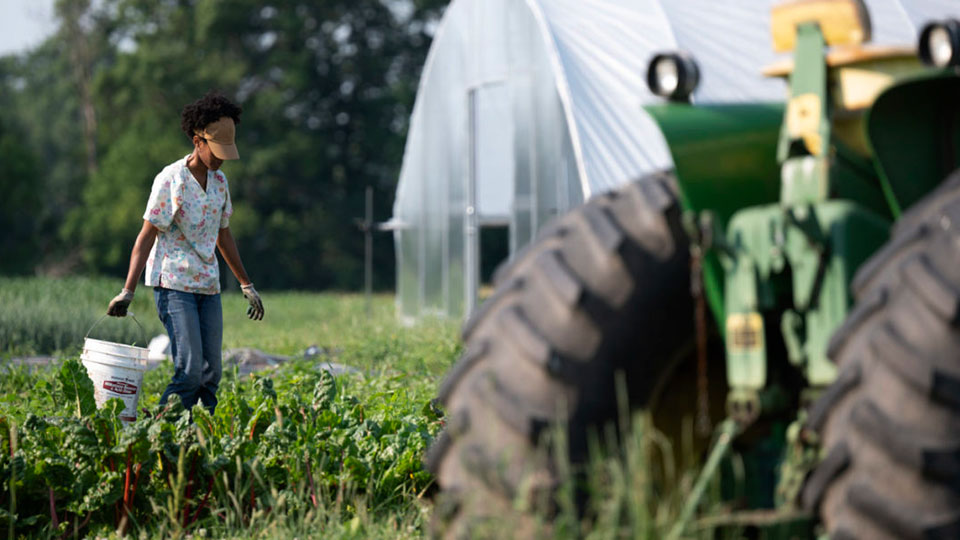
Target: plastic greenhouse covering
526	108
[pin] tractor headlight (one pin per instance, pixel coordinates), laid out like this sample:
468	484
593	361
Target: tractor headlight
673	76
940	43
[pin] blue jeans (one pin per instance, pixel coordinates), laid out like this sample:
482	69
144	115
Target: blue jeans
195	325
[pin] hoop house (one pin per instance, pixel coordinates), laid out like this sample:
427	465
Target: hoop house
526	108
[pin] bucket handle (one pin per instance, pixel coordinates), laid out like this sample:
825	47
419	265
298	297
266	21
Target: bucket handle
143	333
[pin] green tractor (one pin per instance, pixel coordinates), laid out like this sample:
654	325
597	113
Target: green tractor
793	285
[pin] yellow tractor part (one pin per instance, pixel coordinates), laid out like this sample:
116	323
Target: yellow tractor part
857	72
842	22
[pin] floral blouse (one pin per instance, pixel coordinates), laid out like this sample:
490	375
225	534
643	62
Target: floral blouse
189	218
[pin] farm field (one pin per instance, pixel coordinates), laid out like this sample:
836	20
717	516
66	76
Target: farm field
290	452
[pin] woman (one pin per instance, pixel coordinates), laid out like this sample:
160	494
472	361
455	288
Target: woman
187	217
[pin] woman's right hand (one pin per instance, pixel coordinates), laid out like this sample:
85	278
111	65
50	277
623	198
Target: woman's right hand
118	306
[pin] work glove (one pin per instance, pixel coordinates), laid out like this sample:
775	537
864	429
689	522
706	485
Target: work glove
255	311
118	306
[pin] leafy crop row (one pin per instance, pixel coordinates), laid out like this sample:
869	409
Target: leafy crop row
295	443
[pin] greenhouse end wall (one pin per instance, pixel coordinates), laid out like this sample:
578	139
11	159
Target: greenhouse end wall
489	144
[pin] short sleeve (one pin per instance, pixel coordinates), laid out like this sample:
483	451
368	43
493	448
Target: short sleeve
227	210
165	200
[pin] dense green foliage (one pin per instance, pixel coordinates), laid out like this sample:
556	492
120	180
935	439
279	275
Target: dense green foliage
21	201
286	443
290	451
91	116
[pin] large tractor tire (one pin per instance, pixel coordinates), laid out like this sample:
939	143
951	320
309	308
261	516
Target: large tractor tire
890	424
602	290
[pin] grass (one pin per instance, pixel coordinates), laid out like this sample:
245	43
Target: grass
46	316
51	316
42	316
341	324
399	370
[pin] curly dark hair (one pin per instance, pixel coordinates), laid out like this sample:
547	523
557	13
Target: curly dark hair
207	110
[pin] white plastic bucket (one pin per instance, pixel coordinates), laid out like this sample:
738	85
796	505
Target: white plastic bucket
116	371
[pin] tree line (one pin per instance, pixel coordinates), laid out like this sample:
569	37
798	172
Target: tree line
90	116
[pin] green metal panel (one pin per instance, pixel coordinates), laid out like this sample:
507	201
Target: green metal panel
854	178
724	155
826	243
755	239
817	166
913	129
808	79
725	159
800	259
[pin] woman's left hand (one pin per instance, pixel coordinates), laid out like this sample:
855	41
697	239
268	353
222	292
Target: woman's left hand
255	311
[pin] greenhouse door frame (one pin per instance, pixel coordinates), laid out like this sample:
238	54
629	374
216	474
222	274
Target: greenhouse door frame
473	221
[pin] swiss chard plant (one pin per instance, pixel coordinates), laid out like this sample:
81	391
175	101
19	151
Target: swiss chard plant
298	438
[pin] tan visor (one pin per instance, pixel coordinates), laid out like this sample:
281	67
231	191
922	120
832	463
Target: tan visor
220	135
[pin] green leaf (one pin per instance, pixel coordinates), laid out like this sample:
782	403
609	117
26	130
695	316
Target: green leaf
77	388
108	490
264	387
55	471
325	390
